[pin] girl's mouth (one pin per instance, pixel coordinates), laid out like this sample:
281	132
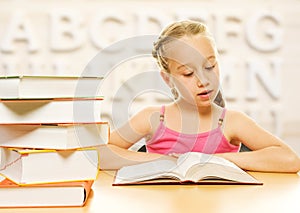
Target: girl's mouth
205	94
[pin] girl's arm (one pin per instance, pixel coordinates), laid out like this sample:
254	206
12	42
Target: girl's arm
113	157
269	153
115	154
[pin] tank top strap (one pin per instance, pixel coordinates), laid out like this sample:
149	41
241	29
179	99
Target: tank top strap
221	119
162	114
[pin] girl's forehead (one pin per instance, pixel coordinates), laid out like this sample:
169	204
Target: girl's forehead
190	48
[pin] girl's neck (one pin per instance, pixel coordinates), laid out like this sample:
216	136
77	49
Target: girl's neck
194	119
190	108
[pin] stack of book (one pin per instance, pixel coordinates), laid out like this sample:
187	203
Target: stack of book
50	129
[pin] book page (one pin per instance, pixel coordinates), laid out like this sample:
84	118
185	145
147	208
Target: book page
199	166
146	171
188	160
218	172
2	159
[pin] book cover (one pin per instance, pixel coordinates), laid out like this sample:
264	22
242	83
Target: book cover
63	194
31	166
54	135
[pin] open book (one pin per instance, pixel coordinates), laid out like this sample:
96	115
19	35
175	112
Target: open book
191	167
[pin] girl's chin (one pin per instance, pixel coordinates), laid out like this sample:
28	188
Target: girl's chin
197	102
207	103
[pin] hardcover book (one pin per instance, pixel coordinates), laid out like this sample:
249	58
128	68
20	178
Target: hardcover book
63	194
54	135
62	110
31	166
20	87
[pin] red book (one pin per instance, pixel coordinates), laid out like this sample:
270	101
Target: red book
44	195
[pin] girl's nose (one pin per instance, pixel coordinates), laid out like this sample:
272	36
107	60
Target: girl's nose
202	80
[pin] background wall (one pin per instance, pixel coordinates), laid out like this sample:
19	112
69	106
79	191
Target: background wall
257	41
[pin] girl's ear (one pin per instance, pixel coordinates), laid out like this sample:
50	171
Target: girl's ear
167	78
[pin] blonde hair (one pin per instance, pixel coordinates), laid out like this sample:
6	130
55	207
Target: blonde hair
174	31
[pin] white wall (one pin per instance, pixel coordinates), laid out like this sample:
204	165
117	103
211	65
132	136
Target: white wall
258	44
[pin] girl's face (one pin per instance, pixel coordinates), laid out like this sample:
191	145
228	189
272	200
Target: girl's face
194	70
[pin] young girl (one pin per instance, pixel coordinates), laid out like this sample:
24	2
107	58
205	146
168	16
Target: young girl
197	121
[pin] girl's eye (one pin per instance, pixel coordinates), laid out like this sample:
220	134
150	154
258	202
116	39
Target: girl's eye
188	74
210	67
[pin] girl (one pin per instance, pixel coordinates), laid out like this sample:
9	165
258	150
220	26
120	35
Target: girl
188	59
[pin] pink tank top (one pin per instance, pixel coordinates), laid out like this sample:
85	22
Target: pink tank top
166	141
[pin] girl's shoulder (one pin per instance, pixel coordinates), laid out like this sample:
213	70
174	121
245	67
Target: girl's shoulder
232	113
149	115
236	124
237	118
156	109
142	121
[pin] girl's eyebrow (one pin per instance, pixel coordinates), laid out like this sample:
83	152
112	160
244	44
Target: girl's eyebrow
191	65
211	57
184	65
